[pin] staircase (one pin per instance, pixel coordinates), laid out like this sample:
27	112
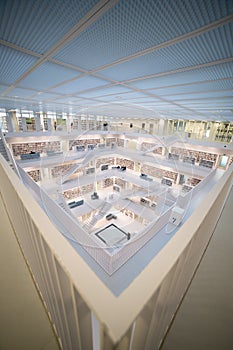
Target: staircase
62	203
3	150
87	156
99	215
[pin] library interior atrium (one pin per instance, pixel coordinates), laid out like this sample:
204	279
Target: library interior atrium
116	125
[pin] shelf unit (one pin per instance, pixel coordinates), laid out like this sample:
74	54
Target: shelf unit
110	140
4	126
75	124
90	170
120	182
186	188
158	150
78	191
136	188
166	181
98	125
107	182
189	160
206	163
35	175
31	124
146	146
230	161
20	123
87	188
83	124
101	161
159	173
129	164
198	155
224	132
72	193
173	156
120	142
83	142
38	147
91	124
128	213
45	121
60	169
192	181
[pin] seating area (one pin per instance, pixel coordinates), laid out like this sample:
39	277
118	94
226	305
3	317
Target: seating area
145	177
95	196
111	216
32	155
75	204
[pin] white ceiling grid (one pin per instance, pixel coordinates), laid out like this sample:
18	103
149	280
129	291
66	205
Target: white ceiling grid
121	58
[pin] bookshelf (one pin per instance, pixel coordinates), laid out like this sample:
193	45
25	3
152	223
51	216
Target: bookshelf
146	146
75	124
189	160
98	125
206	163
20	124
101	161
90	170
198	155
60	169
110	140
45	121
35	175
83	142
120	142
107	182
120	182
192	181
38	147
128	213
224	132
83	124
87	188
158	150
186	188
129	164
72	193
230	161
159	173
91	124
166	181
173	156
136	188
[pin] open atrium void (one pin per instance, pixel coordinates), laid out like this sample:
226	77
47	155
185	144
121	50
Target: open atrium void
116	121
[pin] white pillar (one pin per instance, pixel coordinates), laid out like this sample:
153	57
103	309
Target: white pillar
161	127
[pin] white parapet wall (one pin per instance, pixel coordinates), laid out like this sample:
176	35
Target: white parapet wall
84	311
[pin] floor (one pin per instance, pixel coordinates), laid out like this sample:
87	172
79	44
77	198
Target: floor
24	324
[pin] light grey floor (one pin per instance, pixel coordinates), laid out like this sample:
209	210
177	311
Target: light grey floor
204	320
24	324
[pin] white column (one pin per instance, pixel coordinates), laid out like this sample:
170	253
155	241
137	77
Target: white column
161	127
37	122
11	120
24	124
